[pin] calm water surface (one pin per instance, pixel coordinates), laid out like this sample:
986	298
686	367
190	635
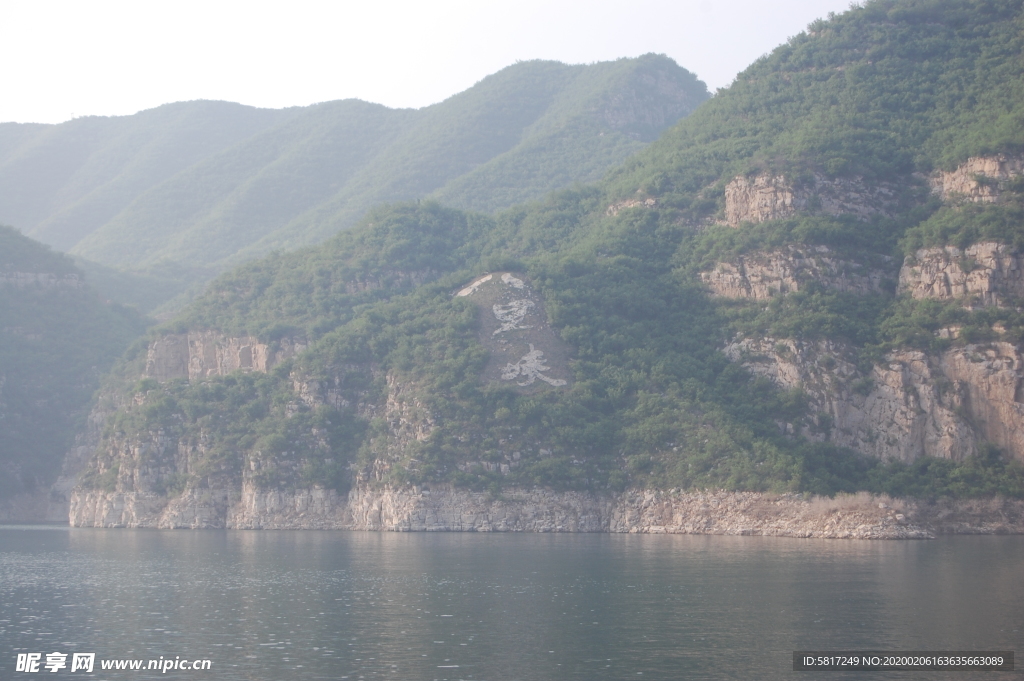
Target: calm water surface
349	605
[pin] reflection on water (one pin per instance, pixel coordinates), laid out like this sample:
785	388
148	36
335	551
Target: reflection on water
328	605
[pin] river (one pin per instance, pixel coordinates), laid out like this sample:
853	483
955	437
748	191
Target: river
275	605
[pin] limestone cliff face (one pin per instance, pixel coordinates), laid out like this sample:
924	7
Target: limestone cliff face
152	479
408	421
765	274
897	412
196	509
199	354
980	180
911	406
990	377
766	197
448	509
759	199
986	273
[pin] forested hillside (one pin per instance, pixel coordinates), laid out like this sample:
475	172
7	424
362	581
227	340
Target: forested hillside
61	183
813	283
56	340
180	192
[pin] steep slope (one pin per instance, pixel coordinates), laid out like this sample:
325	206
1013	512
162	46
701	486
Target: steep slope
197	186
808	285
223	204
520	133
56	338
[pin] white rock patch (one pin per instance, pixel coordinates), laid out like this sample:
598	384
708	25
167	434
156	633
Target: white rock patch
472	288
531	367
512	315
512	281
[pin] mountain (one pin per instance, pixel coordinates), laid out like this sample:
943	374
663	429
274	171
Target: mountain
811	284
190	188
56	340
63	182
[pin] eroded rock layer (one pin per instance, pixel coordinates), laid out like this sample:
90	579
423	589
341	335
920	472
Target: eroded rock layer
981	179
199	354
764	274
766	197
987	273
911	405
446	509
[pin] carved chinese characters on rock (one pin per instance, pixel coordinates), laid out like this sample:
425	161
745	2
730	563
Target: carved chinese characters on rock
524	349
530	367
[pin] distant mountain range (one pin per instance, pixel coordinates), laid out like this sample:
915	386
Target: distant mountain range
182	191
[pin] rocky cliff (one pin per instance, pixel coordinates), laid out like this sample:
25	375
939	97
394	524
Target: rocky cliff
199	354
982	179
911	405
446	509
901	410
176	469
985	273
765	196
765	274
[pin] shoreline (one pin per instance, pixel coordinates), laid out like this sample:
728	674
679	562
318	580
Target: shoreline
442	508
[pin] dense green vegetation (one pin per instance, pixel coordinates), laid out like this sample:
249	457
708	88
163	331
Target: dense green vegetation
885	91
55	342
968	224
62	182
193	197
879	91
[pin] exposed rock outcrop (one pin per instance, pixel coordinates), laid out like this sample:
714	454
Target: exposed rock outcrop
524	350
981	179
986	273
912	406
764	274
199	354
766	197
447	509
196	509
759	199
614	208
77	459
900	411
990	378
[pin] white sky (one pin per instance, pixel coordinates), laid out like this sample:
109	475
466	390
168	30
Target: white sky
63	58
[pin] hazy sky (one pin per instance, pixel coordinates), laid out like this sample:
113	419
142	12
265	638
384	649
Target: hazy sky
109	57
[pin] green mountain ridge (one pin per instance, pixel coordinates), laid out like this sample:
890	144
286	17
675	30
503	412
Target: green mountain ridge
285	179
62	182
